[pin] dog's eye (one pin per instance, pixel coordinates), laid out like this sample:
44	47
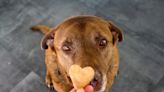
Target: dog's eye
103	43
66	48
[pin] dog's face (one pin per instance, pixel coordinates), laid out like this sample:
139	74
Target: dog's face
85	41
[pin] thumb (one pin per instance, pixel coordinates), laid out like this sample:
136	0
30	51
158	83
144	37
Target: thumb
89	88
73	90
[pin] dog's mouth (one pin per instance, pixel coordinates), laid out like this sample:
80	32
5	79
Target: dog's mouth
98	82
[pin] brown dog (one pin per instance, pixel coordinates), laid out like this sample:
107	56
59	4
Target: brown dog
85	41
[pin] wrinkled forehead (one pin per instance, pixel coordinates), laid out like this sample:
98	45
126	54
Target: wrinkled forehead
82	28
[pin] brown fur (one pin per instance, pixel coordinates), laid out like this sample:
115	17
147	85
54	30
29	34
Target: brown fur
80	33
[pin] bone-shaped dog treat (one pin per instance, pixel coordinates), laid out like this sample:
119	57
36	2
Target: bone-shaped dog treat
81	76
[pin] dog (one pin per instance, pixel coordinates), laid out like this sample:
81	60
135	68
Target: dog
85	41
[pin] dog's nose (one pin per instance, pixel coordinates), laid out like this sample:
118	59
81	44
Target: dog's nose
97	80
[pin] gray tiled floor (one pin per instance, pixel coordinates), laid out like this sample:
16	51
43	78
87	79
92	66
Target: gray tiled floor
22	66
31	83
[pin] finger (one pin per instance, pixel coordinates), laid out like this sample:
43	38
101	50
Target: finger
73	90
89	88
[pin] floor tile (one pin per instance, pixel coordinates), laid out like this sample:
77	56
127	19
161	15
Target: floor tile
32	83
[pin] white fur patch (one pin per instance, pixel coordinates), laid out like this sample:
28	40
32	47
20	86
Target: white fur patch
104	82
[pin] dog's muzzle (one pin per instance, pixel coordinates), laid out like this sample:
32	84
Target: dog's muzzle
99	82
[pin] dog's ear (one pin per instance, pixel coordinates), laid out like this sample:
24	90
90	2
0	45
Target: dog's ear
48	40
116	32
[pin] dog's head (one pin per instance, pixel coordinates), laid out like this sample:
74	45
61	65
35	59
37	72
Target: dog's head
85	41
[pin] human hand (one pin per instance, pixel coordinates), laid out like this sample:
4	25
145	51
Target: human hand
88	88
